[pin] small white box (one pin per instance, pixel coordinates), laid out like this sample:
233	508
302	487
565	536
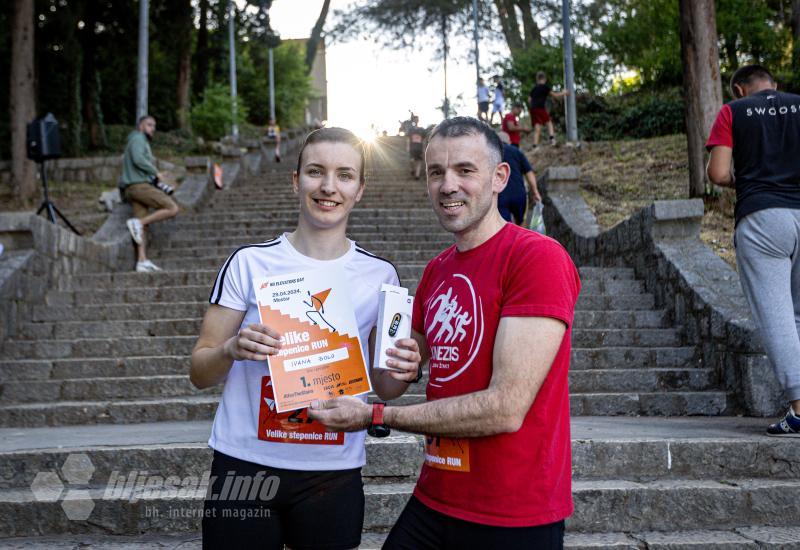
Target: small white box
394	321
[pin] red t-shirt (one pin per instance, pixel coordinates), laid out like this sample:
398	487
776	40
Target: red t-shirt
514	136
512	479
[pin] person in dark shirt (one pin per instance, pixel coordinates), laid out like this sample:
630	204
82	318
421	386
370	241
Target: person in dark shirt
537	101
760	133
514	199
416	146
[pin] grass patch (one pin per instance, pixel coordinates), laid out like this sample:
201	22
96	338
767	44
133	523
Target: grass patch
618	178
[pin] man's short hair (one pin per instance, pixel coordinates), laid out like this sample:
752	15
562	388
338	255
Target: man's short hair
469	126
143	118
747	75
541	76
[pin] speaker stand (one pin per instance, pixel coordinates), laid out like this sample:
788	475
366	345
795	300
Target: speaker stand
48	205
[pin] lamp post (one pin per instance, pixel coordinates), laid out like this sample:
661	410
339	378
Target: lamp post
232	52
569	75
141	73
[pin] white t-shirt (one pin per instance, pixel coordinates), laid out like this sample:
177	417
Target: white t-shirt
483	94
236	424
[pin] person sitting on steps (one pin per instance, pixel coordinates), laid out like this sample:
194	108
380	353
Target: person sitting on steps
139	186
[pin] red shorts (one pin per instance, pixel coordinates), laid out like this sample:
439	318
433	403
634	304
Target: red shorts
540	116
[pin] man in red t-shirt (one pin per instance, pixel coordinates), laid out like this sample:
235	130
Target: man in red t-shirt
493	316
512	127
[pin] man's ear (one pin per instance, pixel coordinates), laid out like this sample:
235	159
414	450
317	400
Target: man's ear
738	91
500	178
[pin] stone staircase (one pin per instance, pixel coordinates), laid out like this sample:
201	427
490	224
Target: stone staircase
95	387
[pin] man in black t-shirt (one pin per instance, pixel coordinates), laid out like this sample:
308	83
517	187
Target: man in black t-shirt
760	133
537	100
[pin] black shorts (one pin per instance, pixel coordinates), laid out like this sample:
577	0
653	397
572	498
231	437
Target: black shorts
415	151
420	528
276	507
483	106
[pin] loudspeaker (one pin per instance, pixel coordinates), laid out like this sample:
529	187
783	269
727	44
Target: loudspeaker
43	140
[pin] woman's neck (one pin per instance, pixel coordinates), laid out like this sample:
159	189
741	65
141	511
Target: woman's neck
320	244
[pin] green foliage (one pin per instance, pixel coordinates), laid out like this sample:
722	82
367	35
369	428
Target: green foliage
211	119
636	115
519	72
292	84
644	35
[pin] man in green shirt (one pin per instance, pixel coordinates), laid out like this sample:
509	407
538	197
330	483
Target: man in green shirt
137	187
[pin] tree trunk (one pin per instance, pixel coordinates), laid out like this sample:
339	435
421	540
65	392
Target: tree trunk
90	83
184	62
22	99
795	24
509	24
316	35
201	52
533	36
701	83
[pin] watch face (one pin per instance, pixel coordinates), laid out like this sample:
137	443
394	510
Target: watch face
380	430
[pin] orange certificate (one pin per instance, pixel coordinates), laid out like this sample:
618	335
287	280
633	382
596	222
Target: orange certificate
321	357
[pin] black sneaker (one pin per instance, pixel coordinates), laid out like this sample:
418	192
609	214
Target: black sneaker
788	426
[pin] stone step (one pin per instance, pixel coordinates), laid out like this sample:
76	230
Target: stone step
202	406
418	254
170	305
405	269
739	538
191	325
176	385
200	293
660	403
632	449
677	358
627	357
207	276
182	345
262	232
372	245
600	507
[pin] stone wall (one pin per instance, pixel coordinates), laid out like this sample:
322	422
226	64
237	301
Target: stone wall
42	255
82	169
700	291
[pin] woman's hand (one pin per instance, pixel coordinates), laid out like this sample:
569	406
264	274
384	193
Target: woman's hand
254	343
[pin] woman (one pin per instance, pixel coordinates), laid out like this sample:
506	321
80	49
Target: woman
296	493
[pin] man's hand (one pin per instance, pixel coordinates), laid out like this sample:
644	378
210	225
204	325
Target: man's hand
342	414
404	360
254	343
535	196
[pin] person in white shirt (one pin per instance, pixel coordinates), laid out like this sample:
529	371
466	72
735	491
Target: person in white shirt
267	490
483	101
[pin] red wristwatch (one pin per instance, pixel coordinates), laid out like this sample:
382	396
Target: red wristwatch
377	428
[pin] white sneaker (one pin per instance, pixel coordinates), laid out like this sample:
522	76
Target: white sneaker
147	266
135	228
